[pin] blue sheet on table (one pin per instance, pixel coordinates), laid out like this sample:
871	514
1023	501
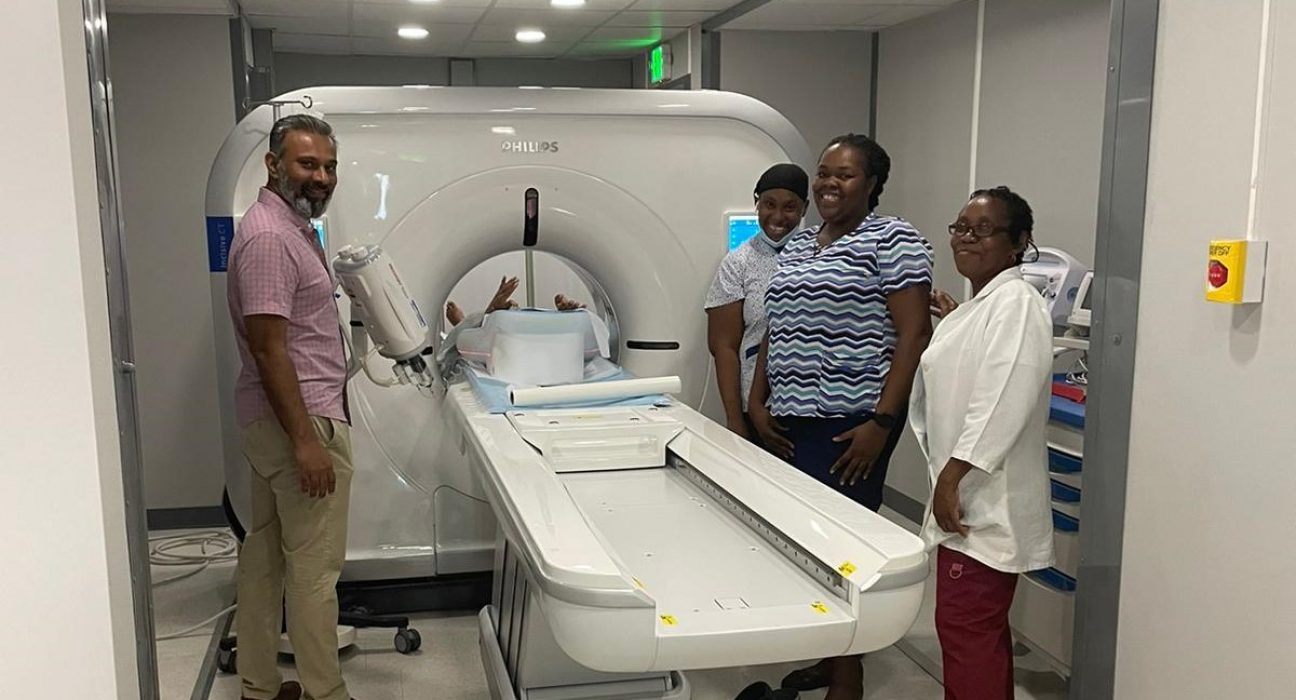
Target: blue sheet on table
494	394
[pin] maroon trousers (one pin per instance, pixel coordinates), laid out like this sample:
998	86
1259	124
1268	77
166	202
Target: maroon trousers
972	602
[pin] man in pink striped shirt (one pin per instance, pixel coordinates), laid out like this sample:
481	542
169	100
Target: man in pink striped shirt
290	400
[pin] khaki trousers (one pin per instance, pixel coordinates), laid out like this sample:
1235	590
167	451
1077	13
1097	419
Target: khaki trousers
292	556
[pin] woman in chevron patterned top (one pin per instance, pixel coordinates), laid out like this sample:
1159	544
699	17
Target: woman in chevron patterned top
848	321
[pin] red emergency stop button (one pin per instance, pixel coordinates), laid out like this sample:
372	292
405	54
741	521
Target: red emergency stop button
1218	274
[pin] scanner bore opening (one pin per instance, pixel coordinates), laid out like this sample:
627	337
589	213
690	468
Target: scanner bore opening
552	274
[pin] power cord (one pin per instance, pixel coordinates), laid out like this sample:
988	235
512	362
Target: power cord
213	547
194	628
196	549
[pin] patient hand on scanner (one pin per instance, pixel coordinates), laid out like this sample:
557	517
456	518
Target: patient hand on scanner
503	300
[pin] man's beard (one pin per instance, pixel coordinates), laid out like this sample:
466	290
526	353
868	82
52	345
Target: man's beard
307	207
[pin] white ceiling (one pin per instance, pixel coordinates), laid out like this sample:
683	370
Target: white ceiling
483	28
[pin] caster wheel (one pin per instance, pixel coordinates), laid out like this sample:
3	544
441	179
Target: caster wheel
408	641
227	660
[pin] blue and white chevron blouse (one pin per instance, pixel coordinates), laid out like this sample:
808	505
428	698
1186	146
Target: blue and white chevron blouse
831	334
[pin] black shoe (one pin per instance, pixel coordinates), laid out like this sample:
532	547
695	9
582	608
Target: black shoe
761	690
809	678
289	690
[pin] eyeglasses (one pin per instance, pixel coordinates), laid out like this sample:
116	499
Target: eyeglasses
979	231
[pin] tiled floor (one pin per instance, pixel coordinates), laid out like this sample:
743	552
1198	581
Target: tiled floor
449	666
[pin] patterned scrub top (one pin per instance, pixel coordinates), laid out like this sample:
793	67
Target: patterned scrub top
744	275
832	337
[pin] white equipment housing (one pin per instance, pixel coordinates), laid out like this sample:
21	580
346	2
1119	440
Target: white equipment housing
381	305
699	550
1082	311
703	551
630	196
1056	274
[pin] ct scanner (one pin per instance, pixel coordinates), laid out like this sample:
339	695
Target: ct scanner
689	548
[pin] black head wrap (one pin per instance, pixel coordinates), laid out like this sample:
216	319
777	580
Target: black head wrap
785	176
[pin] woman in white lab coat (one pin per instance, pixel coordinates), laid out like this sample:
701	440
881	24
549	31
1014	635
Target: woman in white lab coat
979	408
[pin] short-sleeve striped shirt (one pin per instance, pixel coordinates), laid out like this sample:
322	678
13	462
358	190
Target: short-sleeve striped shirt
277	268
831	334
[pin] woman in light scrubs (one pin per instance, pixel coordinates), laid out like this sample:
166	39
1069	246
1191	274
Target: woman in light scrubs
979	408
735	304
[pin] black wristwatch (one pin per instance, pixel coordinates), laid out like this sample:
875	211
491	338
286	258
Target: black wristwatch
885	421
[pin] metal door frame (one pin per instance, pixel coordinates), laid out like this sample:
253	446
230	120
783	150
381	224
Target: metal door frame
123	356
1122	199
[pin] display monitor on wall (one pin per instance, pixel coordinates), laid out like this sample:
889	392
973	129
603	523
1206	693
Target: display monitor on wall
741	227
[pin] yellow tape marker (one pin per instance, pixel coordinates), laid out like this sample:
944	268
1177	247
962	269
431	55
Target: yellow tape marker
638	582
846	568
669	620
820	608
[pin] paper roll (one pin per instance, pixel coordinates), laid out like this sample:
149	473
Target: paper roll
594	391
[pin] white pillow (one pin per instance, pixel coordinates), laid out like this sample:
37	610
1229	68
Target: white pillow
535	346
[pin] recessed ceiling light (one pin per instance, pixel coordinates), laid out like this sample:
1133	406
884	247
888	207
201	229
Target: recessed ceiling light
530	36
412	33
567	3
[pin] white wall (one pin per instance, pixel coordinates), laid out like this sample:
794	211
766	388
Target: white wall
1043	92
820	81
61	497
297	70
1039	129
685	59
511	72
174	101
1206	609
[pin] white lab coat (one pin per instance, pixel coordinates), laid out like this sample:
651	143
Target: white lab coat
981	395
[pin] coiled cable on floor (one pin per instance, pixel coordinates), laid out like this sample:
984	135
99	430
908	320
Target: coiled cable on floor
199	549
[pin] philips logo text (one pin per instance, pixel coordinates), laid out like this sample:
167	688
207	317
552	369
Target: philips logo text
529	146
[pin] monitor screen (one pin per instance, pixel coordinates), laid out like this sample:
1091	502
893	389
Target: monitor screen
742	228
